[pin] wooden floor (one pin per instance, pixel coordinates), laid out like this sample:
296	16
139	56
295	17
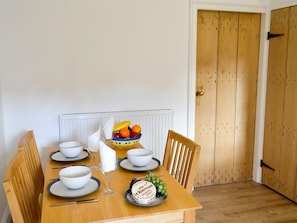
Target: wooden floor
243	202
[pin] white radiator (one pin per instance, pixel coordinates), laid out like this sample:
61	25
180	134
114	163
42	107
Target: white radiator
155	125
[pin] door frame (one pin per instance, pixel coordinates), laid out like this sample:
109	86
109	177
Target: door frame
262	72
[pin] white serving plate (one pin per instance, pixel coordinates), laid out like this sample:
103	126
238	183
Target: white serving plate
153	164
59	157
56	188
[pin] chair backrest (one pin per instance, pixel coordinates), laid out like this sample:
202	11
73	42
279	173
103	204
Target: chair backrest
28	145
181	159
18	184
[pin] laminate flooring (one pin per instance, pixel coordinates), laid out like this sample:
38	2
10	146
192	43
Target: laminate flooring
243	202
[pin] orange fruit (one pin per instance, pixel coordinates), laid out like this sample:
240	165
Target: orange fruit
136	128
125	132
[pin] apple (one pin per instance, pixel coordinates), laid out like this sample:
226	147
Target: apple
117	135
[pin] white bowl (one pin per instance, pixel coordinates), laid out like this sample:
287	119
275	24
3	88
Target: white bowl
75	177
139	157
71	148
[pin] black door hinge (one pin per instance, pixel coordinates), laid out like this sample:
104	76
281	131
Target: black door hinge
272	35
262	164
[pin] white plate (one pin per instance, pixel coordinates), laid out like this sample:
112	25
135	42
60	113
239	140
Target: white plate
58	189
59	157
157	201
153	164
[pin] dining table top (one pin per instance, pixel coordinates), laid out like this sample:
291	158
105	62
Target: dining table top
179	206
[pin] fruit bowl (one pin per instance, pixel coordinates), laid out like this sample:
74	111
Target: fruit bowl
125	142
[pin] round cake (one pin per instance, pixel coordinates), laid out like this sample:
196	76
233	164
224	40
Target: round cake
143	192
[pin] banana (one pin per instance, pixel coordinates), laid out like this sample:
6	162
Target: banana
118	126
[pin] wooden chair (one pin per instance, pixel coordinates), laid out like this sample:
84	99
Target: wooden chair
181	159
28	145
18	184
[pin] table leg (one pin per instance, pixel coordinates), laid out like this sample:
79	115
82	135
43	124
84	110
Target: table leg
189	216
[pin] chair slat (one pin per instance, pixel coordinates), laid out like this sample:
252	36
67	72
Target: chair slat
18	184
28	145
181	158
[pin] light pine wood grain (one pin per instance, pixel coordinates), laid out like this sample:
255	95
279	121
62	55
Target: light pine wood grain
288	162
207	44
246	93
28	145
226	97
19	189
227	71
178	207
243	202
281	121
275	98
181	159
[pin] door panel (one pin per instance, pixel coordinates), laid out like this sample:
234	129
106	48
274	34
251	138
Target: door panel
246	94
227	67
206	104
280	136
288	162
226	94
275	98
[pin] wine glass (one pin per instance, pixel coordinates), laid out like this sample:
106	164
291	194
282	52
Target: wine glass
107	170
92	143
91	151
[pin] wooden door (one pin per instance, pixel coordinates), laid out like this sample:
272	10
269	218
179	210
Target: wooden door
288	163
280	144
226	83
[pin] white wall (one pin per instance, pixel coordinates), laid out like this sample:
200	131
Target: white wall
275	4
78	56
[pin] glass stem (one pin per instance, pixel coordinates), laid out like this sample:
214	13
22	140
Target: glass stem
108	181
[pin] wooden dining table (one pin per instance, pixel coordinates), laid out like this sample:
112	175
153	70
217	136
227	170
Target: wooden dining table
179	206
